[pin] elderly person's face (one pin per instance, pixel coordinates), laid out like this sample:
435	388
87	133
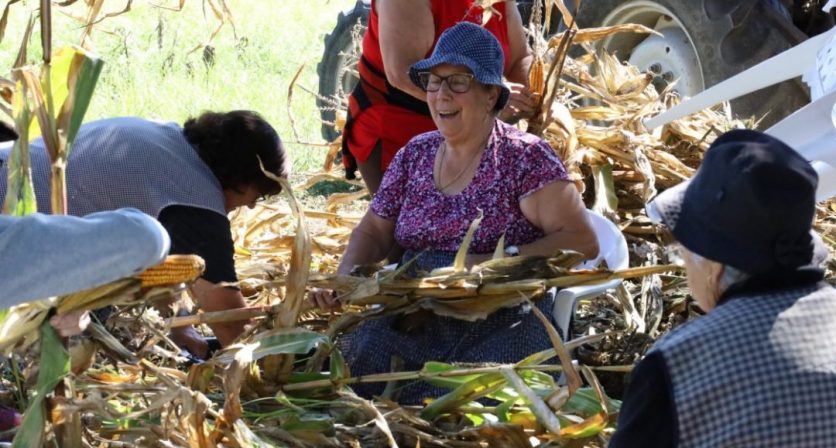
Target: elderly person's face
461	111
703	278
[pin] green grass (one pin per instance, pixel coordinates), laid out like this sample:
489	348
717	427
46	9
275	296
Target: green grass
149	71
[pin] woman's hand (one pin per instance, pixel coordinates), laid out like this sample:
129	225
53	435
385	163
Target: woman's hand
324	299
70	324
520	104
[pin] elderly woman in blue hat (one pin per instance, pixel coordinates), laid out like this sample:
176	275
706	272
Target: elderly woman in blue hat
436	186
759	369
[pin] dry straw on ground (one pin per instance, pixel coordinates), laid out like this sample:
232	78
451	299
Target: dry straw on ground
129	386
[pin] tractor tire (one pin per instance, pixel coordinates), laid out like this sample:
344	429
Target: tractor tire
710	41
335	83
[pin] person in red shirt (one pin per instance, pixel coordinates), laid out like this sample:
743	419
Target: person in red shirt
386	109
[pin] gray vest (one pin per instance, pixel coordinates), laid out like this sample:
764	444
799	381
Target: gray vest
757	371
126	162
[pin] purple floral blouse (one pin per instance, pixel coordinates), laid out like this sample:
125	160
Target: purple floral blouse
514	165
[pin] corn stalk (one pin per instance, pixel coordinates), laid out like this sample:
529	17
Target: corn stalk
70	84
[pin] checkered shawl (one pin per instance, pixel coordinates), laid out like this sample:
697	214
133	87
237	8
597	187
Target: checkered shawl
758	371
126	162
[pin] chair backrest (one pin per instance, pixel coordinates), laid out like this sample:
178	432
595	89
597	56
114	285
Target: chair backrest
803	59
812	132
822	77
612	246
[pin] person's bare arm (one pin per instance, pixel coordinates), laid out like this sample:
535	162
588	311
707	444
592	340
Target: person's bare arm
407	32
212	297
520	54
520	104
370	242
558	210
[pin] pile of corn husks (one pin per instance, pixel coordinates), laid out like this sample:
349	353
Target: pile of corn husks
130	387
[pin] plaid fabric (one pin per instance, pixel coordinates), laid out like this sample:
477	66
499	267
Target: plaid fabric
127	162
758	371
506	336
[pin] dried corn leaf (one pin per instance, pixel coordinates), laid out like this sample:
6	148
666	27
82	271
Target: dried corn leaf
595	34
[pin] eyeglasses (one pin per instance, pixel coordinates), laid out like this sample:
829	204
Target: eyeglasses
458	82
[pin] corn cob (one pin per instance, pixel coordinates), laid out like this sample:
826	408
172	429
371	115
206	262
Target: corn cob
537	77
175	269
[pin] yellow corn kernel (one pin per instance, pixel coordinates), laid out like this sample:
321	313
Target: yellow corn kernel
175	269
537	77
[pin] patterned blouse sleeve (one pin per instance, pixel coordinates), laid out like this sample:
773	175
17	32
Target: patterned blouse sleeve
390	196
539	167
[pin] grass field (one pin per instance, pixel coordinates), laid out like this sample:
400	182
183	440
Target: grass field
150	71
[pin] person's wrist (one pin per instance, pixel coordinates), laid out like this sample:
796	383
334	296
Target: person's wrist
509	116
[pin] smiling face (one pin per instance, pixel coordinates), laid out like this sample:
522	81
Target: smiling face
461	117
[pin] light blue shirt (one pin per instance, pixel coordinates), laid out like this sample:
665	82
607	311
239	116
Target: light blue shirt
43	255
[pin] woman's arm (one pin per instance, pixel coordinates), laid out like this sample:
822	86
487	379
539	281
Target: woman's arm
370	242
520	104
520	54
407	32
558	210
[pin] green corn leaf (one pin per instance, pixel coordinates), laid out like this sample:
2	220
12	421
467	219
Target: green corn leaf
338	367
306	377
536	404
246	437
470	391
297	341
20	195
585	402
451	382
85	68
72	78
309	422
54	365
503	411
282	341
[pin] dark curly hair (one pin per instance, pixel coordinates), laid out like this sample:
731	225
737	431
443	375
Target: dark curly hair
231	143
7	132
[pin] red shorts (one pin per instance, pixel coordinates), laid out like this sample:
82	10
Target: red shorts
391	125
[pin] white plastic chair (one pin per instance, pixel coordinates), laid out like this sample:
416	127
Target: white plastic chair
612	247
812	58
811	130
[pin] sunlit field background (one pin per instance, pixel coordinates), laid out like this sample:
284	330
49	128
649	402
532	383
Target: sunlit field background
156	66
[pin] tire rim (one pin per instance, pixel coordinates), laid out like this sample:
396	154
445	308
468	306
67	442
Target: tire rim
348	78
672	56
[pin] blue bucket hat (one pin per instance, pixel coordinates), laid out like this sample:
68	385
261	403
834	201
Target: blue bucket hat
750	205
473	46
